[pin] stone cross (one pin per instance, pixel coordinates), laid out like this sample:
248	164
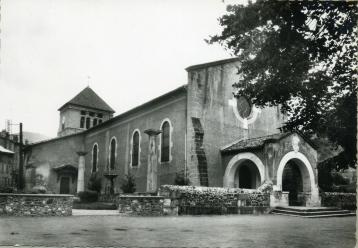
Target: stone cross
81	171
152	166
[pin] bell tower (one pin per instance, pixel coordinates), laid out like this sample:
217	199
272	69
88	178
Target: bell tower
82	112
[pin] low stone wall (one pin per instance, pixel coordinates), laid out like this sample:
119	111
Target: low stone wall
279	198
112	198
191	200
139	205
35	204
340	200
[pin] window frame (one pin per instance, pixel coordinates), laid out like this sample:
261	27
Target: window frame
132	150
88	121
95	145
170	141
110	153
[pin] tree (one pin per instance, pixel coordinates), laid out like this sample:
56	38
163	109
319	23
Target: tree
128	185
180	179
95	183
301	56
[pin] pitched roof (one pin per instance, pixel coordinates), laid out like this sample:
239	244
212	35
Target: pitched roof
253	143
5	151
88	98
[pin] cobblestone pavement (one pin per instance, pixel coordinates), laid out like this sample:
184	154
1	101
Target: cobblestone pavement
199	231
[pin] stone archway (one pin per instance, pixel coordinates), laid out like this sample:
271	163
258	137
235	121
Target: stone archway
239	161
309	185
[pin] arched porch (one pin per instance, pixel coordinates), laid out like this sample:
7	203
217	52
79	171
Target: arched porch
296	177
244	170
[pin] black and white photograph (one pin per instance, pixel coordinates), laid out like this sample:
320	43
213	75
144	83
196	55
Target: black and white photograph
177	123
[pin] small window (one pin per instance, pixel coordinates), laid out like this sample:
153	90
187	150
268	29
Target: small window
112	155
63	123
100	115
135	149
94	158
91	114
88	122
165	145
94	122
83	112
82	122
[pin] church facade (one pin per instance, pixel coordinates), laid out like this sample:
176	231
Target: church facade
199	130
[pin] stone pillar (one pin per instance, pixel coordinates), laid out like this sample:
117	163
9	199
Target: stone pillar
314	200
152	165
81	171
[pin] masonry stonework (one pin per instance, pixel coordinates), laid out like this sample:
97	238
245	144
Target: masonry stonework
35	205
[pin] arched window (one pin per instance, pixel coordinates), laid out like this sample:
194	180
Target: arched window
94	157
165	142
88	123
112	153
135	148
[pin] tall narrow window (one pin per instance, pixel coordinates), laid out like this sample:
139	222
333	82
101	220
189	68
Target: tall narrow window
112	155
88	122
63	122
94	122
94	157
135	149
165	142
82	122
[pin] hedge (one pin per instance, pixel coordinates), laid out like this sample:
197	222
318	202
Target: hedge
340	200
213	200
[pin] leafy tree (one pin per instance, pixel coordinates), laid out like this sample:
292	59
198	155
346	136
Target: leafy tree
181	180
95	183
128	185
301	56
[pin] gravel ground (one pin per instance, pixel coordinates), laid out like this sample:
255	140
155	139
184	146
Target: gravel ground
198	231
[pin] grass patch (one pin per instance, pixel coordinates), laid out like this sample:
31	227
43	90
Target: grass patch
94	205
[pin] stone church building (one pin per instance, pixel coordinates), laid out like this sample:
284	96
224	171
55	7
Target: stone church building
199	130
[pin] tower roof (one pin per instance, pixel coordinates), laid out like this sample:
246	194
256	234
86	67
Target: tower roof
89	99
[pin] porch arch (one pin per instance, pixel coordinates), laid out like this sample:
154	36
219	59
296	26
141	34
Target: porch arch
229	176
302	162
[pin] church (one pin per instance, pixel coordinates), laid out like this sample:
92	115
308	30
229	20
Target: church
199	130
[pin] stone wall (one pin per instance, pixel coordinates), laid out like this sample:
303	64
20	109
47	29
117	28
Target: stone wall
340	200
191	200
35	205
137	205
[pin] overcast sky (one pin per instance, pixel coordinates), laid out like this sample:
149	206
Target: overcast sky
133	51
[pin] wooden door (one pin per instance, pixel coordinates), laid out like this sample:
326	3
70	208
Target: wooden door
65	185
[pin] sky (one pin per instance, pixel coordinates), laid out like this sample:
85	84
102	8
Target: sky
128	52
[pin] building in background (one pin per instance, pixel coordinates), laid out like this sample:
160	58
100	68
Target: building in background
9	160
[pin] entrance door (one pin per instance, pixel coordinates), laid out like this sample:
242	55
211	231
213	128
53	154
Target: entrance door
292	182
65	185
245	177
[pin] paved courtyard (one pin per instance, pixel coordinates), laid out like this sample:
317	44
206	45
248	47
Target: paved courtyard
198	231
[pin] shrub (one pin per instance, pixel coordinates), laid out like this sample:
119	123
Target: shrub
88	196
7	190
95	183
181	180
128	185
338	179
